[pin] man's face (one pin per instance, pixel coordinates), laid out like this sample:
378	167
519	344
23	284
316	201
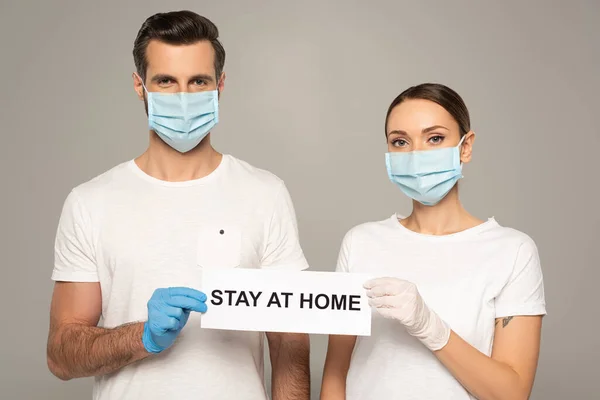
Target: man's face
179	68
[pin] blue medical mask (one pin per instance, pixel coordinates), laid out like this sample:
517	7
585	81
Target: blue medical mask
182	119
425	176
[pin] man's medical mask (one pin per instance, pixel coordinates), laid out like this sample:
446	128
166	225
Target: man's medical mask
426	175
182	119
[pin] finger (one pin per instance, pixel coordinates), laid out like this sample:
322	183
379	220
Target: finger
171	324
382	302
186	303
173	312
203	308
187	292
383	281
375	282
384	290
163	323
386	312
184	318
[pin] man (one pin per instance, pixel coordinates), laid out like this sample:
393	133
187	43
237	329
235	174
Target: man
131	244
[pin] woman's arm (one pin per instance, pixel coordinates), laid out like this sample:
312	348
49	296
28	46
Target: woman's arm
509	373
337	363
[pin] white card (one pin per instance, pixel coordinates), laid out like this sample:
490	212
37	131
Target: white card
286	301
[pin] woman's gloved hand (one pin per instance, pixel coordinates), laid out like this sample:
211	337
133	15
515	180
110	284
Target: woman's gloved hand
400	300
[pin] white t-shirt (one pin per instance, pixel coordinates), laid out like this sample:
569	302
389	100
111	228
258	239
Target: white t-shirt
468	278
134	233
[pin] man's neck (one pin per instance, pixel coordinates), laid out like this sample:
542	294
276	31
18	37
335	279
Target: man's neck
163	162
446	217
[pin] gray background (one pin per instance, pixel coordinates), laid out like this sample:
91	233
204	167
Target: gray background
308	86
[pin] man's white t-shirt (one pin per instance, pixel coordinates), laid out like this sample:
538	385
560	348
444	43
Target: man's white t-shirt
134	233
469	279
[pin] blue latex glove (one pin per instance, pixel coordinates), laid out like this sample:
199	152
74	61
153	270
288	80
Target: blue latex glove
168	312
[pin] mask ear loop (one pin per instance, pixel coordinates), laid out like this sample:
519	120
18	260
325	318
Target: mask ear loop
458	147
146	96
142	82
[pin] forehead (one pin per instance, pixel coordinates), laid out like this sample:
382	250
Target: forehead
180	60
418	114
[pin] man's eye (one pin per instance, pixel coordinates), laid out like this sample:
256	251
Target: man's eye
199	82
164	81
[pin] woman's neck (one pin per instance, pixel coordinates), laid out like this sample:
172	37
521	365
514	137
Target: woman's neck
445	218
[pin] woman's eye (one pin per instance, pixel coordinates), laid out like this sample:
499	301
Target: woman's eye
399	142
436	139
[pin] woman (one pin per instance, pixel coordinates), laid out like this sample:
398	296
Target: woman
459	307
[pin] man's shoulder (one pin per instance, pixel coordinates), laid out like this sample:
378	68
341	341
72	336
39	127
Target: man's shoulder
252	176
102	183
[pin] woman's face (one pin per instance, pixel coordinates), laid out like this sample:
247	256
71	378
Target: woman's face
417	125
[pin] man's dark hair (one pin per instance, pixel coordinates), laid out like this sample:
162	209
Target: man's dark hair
177	28
440	94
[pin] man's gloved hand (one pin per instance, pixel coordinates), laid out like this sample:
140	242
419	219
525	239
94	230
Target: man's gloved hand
168	312
400	300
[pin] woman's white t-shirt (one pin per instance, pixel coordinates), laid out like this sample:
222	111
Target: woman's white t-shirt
469	279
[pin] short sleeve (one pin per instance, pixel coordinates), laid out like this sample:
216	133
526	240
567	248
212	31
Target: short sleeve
523	294
282	248
343	261
74	256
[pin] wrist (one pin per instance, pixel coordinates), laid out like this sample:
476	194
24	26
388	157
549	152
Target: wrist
434	332
147	341
439	334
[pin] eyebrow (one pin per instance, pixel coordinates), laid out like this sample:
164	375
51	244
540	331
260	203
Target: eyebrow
424	131
204	77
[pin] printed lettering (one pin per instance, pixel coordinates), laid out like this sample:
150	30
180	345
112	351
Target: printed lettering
338	302
274	300
324	304
242	299
304	300
230	293
255	297
216	294
287	298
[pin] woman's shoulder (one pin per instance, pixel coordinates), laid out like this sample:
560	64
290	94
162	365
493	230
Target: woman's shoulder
496	231
377	228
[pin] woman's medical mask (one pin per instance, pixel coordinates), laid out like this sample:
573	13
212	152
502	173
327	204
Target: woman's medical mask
182	119
425	176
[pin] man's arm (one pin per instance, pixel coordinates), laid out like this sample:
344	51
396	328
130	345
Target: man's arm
76	346
289	353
